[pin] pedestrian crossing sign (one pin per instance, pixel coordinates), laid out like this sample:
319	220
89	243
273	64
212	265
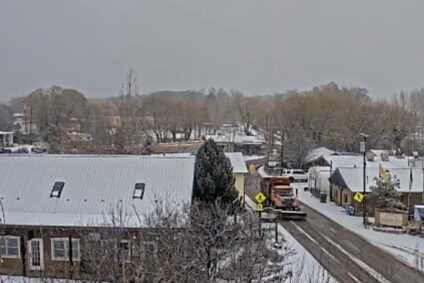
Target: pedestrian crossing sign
260	198
358	197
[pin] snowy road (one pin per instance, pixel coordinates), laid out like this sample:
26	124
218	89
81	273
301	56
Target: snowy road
323	253
365	261
344	254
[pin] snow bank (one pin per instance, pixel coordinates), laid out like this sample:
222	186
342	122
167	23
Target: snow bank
408	248
298	259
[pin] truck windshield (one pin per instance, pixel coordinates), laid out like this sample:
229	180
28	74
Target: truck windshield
285	193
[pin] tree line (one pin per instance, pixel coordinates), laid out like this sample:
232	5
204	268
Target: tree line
329	115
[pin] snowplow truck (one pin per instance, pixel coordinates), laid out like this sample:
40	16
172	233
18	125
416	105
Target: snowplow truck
281	197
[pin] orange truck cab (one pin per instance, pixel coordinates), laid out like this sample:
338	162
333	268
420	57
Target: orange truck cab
279	193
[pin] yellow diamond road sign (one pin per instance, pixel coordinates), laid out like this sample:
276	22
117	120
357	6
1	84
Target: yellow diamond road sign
260	198
358	197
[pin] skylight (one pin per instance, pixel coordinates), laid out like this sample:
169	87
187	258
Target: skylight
57	189
139	190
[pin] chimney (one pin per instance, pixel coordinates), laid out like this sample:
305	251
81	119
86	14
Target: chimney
385	156
370	156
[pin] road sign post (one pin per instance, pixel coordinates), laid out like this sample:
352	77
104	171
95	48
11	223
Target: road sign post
358	197
260	198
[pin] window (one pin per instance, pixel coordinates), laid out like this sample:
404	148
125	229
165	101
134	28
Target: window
36	258
57	189
124	251
10	247
139	190
60	249
345	198
94	237
109	248
150	250
285	193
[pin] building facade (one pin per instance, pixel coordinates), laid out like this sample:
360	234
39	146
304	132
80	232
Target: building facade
76	216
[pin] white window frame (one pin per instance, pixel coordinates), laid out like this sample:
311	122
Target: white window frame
6	241
155	249
139	192
129	250
66	248
40	244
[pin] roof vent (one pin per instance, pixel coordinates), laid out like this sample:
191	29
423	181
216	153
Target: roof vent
370	156
385	156
139	190
57	189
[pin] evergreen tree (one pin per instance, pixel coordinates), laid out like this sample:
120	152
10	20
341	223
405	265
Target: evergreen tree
386	196
213	178
53	138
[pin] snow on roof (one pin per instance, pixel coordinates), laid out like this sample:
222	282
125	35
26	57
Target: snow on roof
317	153
18	147
5	133
358	161
353	178
319	170
238	162
236	138
253	157
95	186
379	152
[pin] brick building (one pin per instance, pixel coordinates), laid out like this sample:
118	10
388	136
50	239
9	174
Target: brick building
61	213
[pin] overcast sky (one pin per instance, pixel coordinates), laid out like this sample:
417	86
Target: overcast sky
262	46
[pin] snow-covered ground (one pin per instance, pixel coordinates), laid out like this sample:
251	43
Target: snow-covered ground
408	248
299	260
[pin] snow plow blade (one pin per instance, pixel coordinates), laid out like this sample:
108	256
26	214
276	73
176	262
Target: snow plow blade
291	214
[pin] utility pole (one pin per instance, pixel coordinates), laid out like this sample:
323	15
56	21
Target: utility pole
422	168
362	147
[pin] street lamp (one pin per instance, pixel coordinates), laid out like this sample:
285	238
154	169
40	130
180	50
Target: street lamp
362	148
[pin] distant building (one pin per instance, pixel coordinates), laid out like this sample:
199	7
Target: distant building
53	205
6	139
345	182
80	137
24	125
239	171
237	142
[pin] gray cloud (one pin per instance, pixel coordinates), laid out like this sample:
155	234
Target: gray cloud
255	46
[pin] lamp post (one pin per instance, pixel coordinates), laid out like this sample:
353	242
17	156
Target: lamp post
422	168
362	148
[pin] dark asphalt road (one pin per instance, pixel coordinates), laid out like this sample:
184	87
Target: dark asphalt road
384	263
325	238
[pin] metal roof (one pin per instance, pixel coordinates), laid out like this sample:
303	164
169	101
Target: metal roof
238	162
95	186
352	178
317	153
237	138
354	161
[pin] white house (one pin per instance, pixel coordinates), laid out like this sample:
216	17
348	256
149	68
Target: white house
239	170
318	179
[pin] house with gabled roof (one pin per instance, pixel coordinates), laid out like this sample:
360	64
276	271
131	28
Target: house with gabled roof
239	171
54	205
346	181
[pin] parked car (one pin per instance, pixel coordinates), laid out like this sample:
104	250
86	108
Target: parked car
296	175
